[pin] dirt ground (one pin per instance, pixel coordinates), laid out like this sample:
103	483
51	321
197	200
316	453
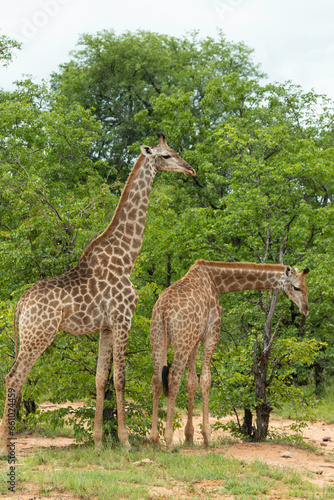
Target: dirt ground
320	463
319	434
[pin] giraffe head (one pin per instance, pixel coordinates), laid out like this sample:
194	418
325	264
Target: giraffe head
295	287
163	157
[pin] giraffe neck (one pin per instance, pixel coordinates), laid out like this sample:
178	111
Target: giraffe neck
234	276
124	235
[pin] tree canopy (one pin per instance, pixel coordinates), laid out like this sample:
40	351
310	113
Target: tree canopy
119	75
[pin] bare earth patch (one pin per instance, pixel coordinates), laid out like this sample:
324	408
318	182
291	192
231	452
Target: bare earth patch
319	434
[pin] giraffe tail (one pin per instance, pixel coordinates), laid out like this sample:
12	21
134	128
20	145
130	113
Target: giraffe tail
164	375
16	327
165	369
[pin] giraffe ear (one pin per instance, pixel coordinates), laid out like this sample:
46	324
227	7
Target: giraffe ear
146	150
287	270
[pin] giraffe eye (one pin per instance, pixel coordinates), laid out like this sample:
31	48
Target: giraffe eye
296	288
166	157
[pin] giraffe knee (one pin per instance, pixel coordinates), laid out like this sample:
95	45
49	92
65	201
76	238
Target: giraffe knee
119	382
205	381
192	384
156	384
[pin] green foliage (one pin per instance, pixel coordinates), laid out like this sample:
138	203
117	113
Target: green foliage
52	199
7	46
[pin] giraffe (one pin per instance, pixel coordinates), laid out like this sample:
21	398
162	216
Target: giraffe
95	296
189	313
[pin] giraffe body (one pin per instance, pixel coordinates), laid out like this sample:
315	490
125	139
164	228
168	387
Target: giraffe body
95	296
189	313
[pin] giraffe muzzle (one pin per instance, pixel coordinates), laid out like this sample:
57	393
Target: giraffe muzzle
191	172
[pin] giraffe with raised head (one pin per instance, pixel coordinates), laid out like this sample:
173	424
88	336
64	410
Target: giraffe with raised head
95	296
189	313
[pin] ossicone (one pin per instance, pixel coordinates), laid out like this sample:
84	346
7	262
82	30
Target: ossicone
161	137
306	270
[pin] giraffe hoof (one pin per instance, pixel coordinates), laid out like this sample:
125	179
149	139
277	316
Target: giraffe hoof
155	442
98	446
127	447
3	450
175	451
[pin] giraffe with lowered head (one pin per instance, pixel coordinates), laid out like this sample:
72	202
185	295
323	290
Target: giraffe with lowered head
189	313
95	296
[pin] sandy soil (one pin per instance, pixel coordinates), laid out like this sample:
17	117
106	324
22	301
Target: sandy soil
319	434
319	467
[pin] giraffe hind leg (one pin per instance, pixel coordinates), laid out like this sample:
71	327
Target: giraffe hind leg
102	373
159	352
31	349
191	386
120	339
174	378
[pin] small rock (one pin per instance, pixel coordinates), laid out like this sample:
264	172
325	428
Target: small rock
144	461
323	444
286	454
326	438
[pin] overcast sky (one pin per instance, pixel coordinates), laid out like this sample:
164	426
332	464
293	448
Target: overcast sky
293	39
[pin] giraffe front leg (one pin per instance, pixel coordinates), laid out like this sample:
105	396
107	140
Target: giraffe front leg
191	386
120	339
102	372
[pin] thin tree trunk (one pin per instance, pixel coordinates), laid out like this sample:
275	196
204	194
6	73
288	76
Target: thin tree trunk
247	425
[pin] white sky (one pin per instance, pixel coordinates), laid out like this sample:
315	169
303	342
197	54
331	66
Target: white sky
293	39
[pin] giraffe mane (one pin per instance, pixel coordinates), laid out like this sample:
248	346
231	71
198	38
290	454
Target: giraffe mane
240	265
122	200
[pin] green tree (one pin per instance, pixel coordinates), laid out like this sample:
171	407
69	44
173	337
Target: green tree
119	75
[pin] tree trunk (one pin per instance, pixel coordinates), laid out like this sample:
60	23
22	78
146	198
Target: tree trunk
263	408
318	378
110	412
263	411
29	405
247	426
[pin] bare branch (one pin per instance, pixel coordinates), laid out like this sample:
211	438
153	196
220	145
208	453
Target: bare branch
215	247
92	372
236	414
251	301
273	371
282	249
271	341
264	258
